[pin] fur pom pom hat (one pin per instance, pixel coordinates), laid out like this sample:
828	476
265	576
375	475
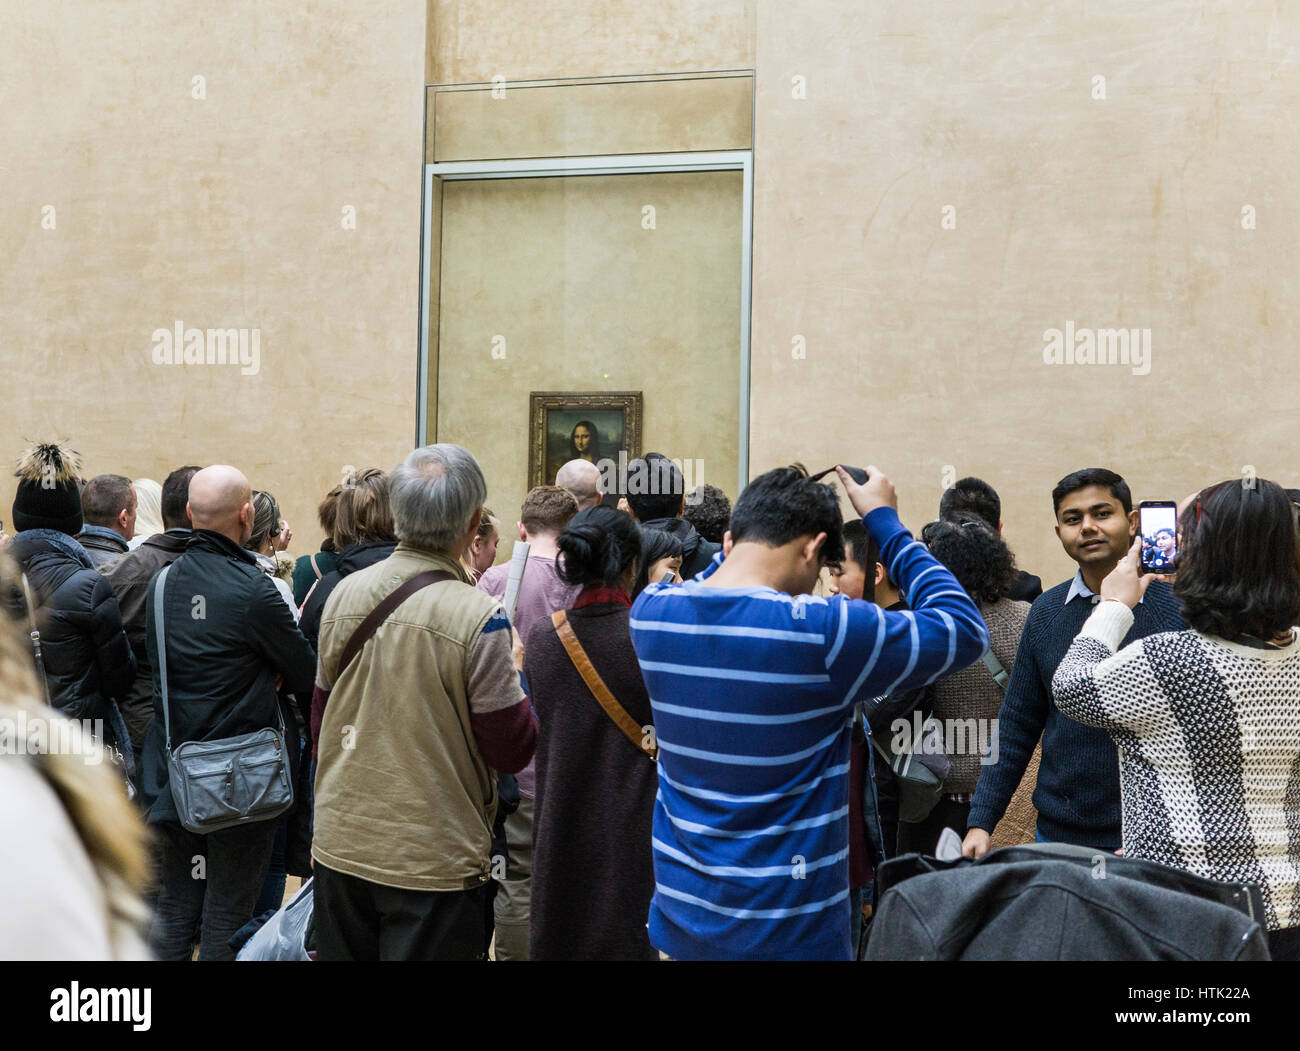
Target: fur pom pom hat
48	495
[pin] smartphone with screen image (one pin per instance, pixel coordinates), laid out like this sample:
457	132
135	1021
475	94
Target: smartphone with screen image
1158	528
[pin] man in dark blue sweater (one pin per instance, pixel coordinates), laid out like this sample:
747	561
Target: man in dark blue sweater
1077	797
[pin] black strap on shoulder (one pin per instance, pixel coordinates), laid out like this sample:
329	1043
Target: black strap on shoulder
382	611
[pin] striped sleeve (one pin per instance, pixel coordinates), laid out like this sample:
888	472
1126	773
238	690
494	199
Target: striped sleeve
882	652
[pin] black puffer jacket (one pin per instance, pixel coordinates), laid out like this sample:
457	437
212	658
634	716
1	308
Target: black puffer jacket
86	654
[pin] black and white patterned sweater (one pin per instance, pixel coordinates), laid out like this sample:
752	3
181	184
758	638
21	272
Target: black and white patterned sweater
1208	733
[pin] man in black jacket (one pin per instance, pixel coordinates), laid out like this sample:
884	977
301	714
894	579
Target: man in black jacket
230	640
655	496
85	655
130	575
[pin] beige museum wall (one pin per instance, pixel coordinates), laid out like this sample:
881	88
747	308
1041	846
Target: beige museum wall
924	344
472	41
556	284
223	212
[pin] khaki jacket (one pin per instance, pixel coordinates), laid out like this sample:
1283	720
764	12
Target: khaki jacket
403	797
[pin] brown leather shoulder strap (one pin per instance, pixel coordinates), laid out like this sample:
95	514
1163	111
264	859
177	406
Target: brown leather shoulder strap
382	611
616	712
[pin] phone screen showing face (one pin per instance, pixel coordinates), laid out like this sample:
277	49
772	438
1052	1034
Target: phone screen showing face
1158	526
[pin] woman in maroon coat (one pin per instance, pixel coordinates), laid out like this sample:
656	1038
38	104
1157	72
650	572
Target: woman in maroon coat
592	868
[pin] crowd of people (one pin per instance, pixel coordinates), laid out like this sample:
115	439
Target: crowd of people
681	740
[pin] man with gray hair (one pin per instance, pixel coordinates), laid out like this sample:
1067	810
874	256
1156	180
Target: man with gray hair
422	707
582	479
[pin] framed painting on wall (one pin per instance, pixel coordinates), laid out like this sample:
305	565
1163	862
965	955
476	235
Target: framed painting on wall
571	425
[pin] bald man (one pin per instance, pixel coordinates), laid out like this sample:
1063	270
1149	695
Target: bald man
230	639
582	479
221	501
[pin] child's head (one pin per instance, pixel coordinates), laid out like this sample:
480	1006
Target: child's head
854	576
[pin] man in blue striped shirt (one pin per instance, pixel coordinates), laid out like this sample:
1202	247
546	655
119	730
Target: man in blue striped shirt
752	681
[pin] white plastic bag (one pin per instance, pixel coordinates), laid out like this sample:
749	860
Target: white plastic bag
282	937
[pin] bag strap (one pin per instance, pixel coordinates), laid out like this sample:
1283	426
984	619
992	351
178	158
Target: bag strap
616	712
159	635
315	568
35	635
382	611
1000	674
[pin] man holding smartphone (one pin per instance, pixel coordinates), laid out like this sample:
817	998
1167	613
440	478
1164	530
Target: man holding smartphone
752	680
1077	797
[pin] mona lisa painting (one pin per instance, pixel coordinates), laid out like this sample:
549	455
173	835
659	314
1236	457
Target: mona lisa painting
566	426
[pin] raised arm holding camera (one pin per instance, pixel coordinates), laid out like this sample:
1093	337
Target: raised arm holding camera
751	679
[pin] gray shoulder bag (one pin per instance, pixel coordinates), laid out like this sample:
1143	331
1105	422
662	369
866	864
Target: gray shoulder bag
232	781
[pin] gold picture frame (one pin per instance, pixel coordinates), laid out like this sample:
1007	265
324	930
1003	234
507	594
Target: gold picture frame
555	436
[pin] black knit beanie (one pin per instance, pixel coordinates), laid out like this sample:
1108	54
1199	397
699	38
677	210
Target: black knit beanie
48	496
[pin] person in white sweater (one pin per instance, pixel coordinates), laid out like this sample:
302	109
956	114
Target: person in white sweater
1207	720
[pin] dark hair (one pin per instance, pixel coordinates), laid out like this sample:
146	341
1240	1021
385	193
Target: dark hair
709	511
594	449
362	512
547	510
980	559
972	496
105	497
1239	568
1072	483
598	545
655	544
659	487
175	497
1166	529
785	504
860	546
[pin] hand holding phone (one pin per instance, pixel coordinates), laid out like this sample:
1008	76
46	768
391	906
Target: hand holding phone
874	491
1126	583
1158	533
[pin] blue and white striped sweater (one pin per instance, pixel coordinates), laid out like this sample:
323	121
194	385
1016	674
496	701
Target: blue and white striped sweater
752	692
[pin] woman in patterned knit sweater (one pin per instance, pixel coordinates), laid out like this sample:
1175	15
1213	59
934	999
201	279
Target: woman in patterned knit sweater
966	703
1207	720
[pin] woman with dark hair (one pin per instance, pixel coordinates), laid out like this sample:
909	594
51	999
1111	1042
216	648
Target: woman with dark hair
661	553
1205	718
595	787
970	699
